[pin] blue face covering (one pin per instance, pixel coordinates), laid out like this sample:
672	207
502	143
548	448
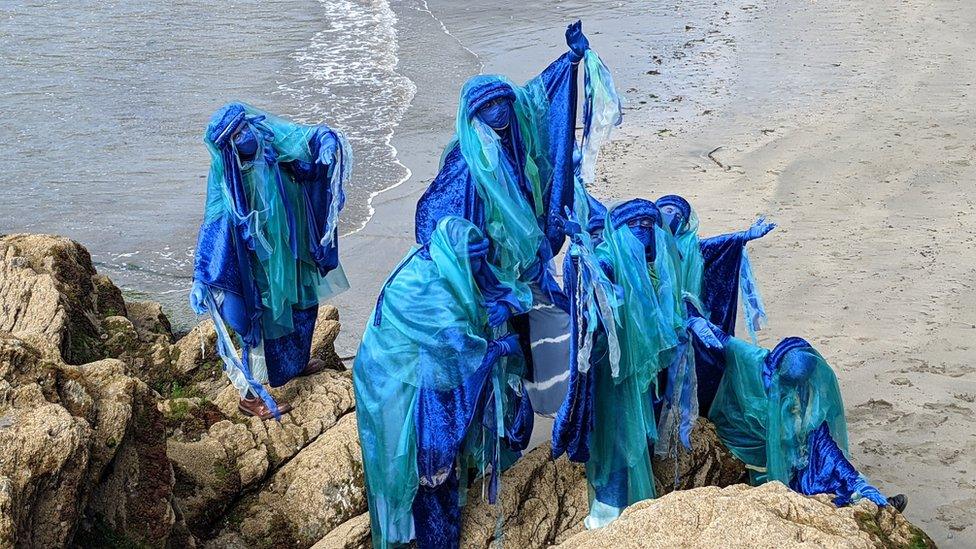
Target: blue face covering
675	211
643	229
246	143
496	113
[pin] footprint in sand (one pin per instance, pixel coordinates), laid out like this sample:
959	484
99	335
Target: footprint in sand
957	515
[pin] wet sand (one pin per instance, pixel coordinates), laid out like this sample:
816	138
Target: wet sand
845	122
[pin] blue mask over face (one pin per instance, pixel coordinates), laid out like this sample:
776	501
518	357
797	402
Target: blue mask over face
673	218
796	368
497	113
246	143
643	229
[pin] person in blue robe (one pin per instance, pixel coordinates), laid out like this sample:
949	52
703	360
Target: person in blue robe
509	170
780	411
628	325
437	396
714	272
267	250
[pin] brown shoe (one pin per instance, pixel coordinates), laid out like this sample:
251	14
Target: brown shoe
257	408
314	366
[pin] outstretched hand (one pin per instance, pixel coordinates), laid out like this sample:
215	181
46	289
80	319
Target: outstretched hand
576	40
198	298
759	229
703	329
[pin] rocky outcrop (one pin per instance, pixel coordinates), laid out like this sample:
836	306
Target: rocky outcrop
707	463
541	499
771	515
47	287
82	446
352	534
319	489
140	443
323	339
215	465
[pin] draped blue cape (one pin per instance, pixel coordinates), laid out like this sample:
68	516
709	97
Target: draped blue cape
453	190
226	244
720	297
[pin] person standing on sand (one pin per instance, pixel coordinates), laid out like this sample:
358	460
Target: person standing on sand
267	251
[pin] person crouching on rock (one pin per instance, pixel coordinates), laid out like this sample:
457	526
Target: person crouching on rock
267	251
781	413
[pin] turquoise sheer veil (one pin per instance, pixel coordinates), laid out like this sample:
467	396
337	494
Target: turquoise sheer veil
429	330
803	394
438	341
768	404
511	222
740	410
646	324
602	111
692	265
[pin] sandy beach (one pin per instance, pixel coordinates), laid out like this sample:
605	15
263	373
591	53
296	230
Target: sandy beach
847	123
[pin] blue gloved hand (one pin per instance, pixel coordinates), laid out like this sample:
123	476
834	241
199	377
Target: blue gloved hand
198	297
571	226
478	250
577	41
759	229
703	329
328	146
509	345
498	313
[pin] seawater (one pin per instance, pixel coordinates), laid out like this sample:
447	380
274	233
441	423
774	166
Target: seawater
105	104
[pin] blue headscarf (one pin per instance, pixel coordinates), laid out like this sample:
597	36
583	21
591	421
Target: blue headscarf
511	181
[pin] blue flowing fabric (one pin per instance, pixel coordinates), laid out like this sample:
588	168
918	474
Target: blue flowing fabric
624	331
552	96
434	395
497	179
717	271
267	250
781	413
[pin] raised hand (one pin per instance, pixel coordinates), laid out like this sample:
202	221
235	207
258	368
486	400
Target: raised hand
759	229
576	40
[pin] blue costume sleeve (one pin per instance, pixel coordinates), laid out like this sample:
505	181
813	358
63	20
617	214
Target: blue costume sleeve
452	192
829	472
720	284
222	263
720	295
561	82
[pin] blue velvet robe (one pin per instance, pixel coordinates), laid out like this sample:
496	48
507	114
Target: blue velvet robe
223	262
720	296
453	192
